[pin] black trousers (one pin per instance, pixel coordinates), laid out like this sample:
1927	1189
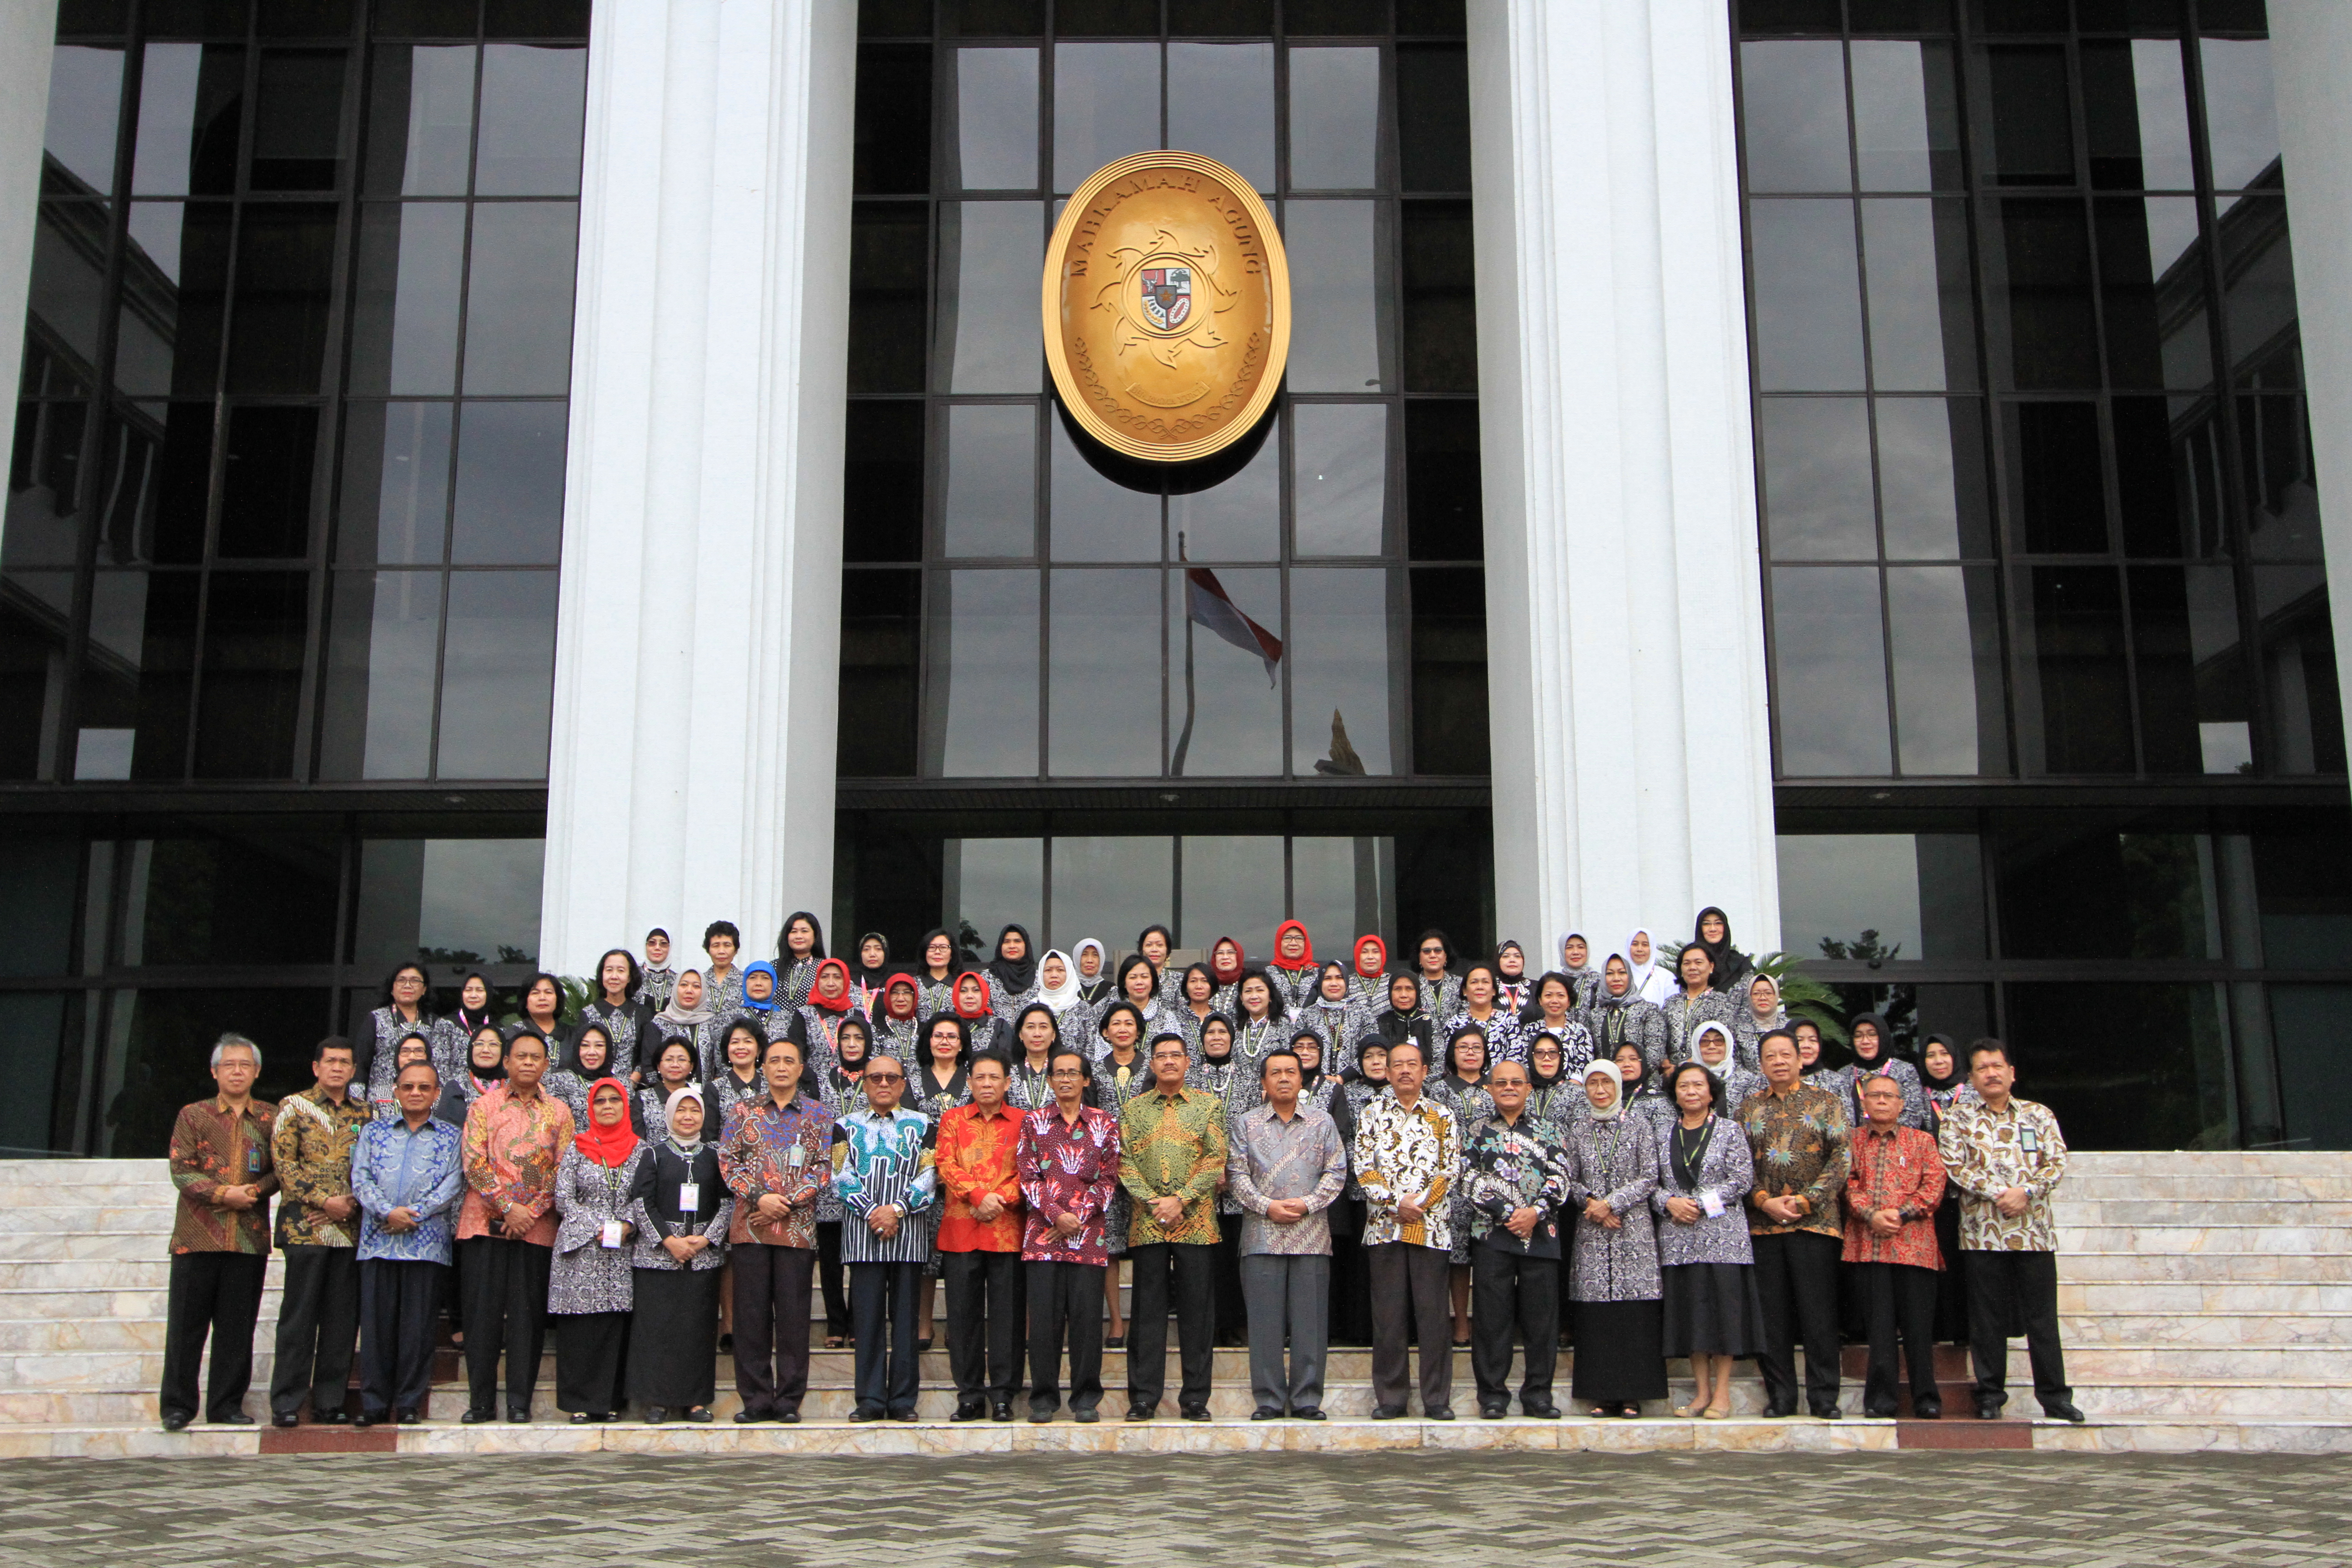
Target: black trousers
1232	1311
1181	1275
215	1294
399	1303
1898	1301
505	1309
2006	1288
590	1348
1351	1283
771	1326
318	1327
1507	1291
829	1276
1796	1278
1066	1304
1410	1288
984	1323
889	1373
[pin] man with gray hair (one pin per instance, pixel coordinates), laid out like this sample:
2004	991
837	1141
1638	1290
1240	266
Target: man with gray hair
222	1165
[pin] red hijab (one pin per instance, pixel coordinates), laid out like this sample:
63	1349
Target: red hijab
890	995
607	1146
1225	971
1380	966
979	1012
1306	959
816	999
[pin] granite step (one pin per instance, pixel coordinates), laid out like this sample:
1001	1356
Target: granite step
2218	1330
2221	1298
2108	1266
2078	1213
2286	1237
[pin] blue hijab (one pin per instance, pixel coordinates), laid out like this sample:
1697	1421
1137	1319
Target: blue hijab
760	966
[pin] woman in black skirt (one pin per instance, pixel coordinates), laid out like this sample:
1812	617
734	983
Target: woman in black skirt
1706	1271
1612	1169
680	1207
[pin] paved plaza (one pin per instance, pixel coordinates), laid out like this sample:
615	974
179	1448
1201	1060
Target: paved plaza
1738	1510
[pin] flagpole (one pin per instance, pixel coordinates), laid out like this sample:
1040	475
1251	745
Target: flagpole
1184	740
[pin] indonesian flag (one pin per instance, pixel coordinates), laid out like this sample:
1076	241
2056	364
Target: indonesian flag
1209	606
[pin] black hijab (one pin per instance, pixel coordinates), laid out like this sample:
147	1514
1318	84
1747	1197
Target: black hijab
1947	1082
871	979
1014	975
1231	1034
571	1053
1886	1053
1308	1077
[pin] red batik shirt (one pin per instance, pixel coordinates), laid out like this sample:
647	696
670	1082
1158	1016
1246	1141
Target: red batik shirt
214	1147
1067	1168
976	1156
1894	1170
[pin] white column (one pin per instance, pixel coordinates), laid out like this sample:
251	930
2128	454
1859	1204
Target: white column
699	629
27	32
2311	49
1625	639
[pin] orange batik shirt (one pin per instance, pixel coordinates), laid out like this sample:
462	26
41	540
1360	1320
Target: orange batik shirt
974	1157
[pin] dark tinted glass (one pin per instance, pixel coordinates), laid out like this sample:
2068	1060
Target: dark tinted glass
2056	493
2042	295
1441	312
257	629
1434	117
285	291
889	254
266	498
167	1038
2073	697
2126	1067
1828	664
892	134
882	492
881	655
297	130
1449	670
1444	516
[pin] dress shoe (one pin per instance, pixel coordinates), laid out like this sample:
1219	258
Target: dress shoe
1265	1415
1000	1411
699	1413
726	1343
656	1414
175	1421
969	1411
1928	1409
1141	1412
1989	1409
1540	1411
1878	1413
788	1418
1828	1413
911	1413
2061	1410
581	1418
1309	1414
288	1419
234	1418
1493	1412
333	1419
519	1414
1085	1418
751	1417
363	1421
1779	1412
408	1418
862	1415
1039	1417
1389	1413
1438	1413
1196	1412
475	1415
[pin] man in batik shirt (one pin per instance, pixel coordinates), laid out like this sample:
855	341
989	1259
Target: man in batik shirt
1408	1155
1068	1164
221	1161
1171	1155
1516	1170
319	1227
516	1134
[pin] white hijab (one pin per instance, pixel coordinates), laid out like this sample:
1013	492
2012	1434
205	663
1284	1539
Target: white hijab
1062	997
1649	979
1724	1068
1607	1069
1102	960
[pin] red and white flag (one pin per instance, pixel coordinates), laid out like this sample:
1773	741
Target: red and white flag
1207	606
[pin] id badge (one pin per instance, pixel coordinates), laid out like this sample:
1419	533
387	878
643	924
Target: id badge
798	1157
1711	1205
689	1198
612	1233
2029	1141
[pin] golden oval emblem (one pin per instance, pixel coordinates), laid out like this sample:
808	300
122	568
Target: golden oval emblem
1167	306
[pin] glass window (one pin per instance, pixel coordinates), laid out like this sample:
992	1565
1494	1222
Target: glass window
35	611
1792	116
1906	115
2190	670
161	1041
510	494
1110	889
1224	687
412	274
395	505
519	298
498	675
982	699
268	481
383	644
996	119
191	104
2092	892
256	625
298	121
1828	664
891	124
1105	106
890	273
1922	323
2032	124
2057	494
2038	259
455	900
1817	479
882	490
35	1023
1239	518
991	883
1220	103
881	674
991	464
169	341
2074	696
36	921
1231	888
2241	113
1095	517
1343	627
1808	297
1945	624
2136	115
1444	511
1104	677
421	120
1433	84
1335	119
1905	896
1336	302
2307	1031
989	253
85	107
2299	666
1931	478
2127	1066
1439	298
533	102
1339	478
232	892
285	289
1448	642
2303	887
1340	887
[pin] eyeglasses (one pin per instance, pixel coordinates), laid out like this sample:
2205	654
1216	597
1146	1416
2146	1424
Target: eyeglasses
886	1077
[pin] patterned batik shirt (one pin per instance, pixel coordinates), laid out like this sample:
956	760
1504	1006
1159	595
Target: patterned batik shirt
1507	1168
445	1038
423	1172
310	1144
585	1275
1272	1159
1799	1141
1575	1045
214	1147
624	1024
976	1159
512	1148
1506	1038
1683	1015
1404	1153
886	1158
1985	1151
1068	1167
787	1150
1898	1169
1173	1146
1613	1021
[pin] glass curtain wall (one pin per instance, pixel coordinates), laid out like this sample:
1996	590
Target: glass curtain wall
2040	527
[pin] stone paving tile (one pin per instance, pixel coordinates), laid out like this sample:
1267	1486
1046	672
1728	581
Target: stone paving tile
1728	1511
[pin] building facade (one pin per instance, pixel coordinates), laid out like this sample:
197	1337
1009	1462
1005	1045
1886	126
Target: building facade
491	477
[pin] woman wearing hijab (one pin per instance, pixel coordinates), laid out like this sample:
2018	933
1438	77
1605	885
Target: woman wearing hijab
1612	1164
1405	1017
800	948
680	1207
1713	1049
1441	991
1461	1089
1945	1083
1091	962
1757	1014
1351	1296
1120	1074
1652	983
615	1006
1059	993
1369	984
1514	991
1713	932
485	1064
1226	965
760	994
1482	1008
1553	1089
873	967
1037	1034
588	1286
830	999
1706	1269
587	1057
1576	962
1013	972
1218	1068
684	1017
1293	970
1874	1052
1554	1012
672	1069
841	1089
476	1006
899	1025
975	1008
1335	1016
1619	1016
1643	1091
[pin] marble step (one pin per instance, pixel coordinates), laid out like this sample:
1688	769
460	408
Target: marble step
2252	1330
2222	1297
2311	1185
2070	1211
80	1247
2209	1239
2159	1267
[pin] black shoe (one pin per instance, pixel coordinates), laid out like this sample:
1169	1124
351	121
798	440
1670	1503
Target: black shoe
581	1418
1779	1412
332	1418
656	1414
408	1418
788	1418
1928	1409
1438	1413
1039	1417
1087	1417
1989	1409
1828	1413
285	1420
972	1412
1115	1343
1389	1413
1874	1413
1540	1411
862	1415
175	1421
907	1414
1141	1412
700	1414
752	1417
923	1345
475	1415
1309	1414
234	1418
519	1414
1196	1412
726	1343
1265	1415
363	1421
1493	1412
2061	1410
1000	1411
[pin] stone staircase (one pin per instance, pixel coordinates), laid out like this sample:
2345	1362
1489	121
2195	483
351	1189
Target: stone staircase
2207	1301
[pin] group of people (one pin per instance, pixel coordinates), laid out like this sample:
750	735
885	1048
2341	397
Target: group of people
1649	1159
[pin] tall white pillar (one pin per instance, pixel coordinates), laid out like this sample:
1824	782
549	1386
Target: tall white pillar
2311	49
29	30
1625	639
698	630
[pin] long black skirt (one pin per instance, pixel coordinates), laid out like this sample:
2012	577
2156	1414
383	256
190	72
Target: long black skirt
1618	1353
1711	1309
1951	1291
589	1348
674	1338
